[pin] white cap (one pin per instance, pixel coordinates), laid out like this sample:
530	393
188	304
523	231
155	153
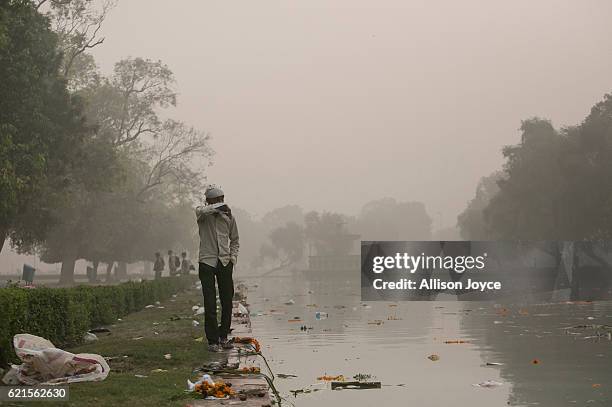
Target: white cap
213	192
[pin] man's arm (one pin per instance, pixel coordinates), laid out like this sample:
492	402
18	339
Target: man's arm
234	241
205	210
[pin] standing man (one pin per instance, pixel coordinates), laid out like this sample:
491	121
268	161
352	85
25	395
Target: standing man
218	253
185	264
173	263
159	265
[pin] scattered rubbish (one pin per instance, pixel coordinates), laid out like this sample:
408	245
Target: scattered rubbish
489	384
393	318
250	369
168	356
375	322
209	390
158	371
355	385
326	378
150	306
90	337
493	364
199	311
296	319
141	376
157	303
596	385
99	330
155	323
285	376
305	328
194	323
535	362
362	377
319	315
242	309
45	364
161	307
433	358
137	338
195	307
290	302
200	339
173	295
456	342
248	340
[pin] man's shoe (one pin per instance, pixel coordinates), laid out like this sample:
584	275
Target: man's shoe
226	343
214	348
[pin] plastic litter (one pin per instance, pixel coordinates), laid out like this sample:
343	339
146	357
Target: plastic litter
290	302
168	356
90	337
45	364
195	323
488	384
199	311
319	315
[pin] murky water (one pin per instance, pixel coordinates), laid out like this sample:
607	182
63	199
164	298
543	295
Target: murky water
542	362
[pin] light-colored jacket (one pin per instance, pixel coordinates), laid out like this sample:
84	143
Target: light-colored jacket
218	235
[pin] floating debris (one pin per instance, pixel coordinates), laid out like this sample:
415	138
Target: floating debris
433	358
327	378
456	342
355	385
489	384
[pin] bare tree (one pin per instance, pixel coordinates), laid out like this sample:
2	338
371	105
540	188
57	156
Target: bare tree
78	24
175	157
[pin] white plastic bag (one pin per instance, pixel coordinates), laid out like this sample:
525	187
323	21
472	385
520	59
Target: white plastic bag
45	364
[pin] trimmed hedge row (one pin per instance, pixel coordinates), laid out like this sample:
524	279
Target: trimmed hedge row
63	315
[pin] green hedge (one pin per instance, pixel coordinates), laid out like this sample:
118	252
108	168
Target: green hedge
63	315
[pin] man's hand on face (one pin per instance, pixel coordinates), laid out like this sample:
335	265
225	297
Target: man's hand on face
225	209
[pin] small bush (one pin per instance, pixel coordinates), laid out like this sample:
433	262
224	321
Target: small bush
63	315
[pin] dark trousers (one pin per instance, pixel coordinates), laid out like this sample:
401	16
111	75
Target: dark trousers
226	294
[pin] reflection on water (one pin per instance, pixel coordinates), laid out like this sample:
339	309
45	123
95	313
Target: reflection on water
542	362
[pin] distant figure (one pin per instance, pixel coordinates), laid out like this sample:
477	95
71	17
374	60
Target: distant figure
159	265
218	254
173	263
185	264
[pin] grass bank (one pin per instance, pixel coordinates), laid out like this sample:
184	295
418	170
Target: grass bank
167	330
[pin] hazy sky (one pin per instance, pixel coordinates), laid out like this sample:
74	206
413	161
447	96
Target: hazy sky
332	103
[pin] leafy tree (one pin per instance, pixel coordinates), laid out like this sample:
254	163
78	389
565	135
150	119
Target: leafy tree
327	233
41	124
471	221
289	241
387	219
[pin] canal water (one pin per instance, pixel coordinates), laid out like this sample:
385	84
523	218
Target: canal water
488	354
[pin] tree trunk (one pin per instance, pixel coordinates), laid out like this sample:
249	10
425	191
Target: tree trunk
109	270
121	270
67	273
3	234
96	263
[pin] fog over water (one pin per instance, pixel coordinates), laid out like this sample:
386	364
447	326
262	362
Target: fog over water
332	104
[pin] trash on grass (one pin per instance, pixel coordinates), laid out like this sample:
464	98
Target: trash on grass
158	371
194	322
90	337
290	302
168	356
45	364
